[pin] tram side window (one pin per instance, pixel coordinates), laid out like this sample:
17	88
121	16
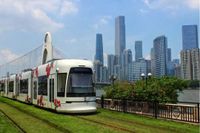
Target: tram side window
24	86
2	86
61	84
11	86
42	85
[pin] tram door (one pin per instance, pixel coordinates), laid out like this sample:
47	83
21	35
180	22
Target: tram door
51	88
34	90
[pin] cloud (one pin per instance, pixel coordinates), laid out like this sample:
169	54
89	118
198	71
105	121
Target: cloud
68	8
171	4
71	41
102	21
34	15
148	57
6	56
143	11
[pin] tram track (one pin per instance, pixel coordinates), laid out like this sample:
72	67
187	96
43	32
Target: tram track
105	124
135	123
50	124
20	129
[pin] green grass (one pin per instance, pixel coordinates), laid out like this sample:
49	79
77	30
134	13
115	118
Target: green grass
69	122
153	125
135	123
6	126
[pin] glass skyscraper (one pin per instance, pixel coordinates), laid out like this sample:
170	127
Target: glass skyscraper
99	48
160	56
138	50
189	37
120	40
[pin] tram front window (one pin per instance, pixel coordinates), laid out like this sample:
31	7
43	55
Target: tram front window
80	83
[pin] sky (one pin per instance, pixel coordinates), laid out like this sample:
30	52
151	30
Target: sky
74	24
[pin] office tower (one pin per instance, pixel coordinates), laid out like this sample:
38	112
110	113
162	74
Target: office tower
195	58
159	56
152	62
177	71
104	74
99	48
169	55
190	64
170	65
120	40
138	50
111	63
148	66
97	67
136	68
176	61
127	58
189	37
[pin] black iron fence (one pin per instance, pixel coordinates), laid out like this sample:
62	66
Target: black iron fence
182	111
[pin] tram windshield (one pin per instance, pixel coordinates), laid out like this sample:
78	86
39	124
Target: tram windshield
80	83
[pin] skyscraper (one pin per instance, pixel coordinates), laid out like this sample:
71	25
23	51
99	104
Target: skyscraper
189	37
99	48
159	56
138	50
136	68
127	59
111	63
190	64
169	55
120	40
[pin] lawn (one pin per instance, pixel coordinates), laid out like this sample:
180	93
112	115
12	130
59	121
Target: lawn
6	126
131	122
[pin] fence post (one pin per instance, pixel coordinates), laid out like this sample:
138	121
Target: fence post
198	112
124	105
155	109
102	101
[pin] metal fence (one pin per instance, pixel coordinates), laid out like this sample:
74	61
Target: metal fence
188	112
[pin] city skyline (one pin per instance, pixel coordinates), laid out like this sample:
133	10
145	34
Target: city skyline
74	25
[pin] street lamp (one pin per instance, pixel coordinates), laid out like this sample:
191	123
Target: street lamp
146	77
112	79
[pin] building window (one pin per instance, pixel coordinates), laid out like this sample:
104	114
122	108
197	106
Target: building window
11	86
24	86
42	85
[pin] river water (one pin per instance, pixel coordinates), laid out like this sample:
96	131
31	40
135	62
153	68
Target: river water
189	95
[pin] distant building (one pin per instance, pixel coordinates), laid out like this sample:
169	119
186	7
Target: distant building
177	71
120	38
98	70
159	56
189	37
127	59
104	74
148	66
195	58
136	68
99	48
111	63
117	72
169	55
138	50
190	64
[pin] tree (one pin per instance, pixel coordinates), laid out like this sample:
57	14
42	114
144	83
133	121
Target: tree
155	89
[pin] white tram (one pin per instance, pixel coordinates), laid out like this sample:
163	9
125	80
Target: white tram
64	85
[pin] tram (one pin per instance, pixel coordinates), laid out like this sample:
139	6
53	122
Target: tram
64	85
